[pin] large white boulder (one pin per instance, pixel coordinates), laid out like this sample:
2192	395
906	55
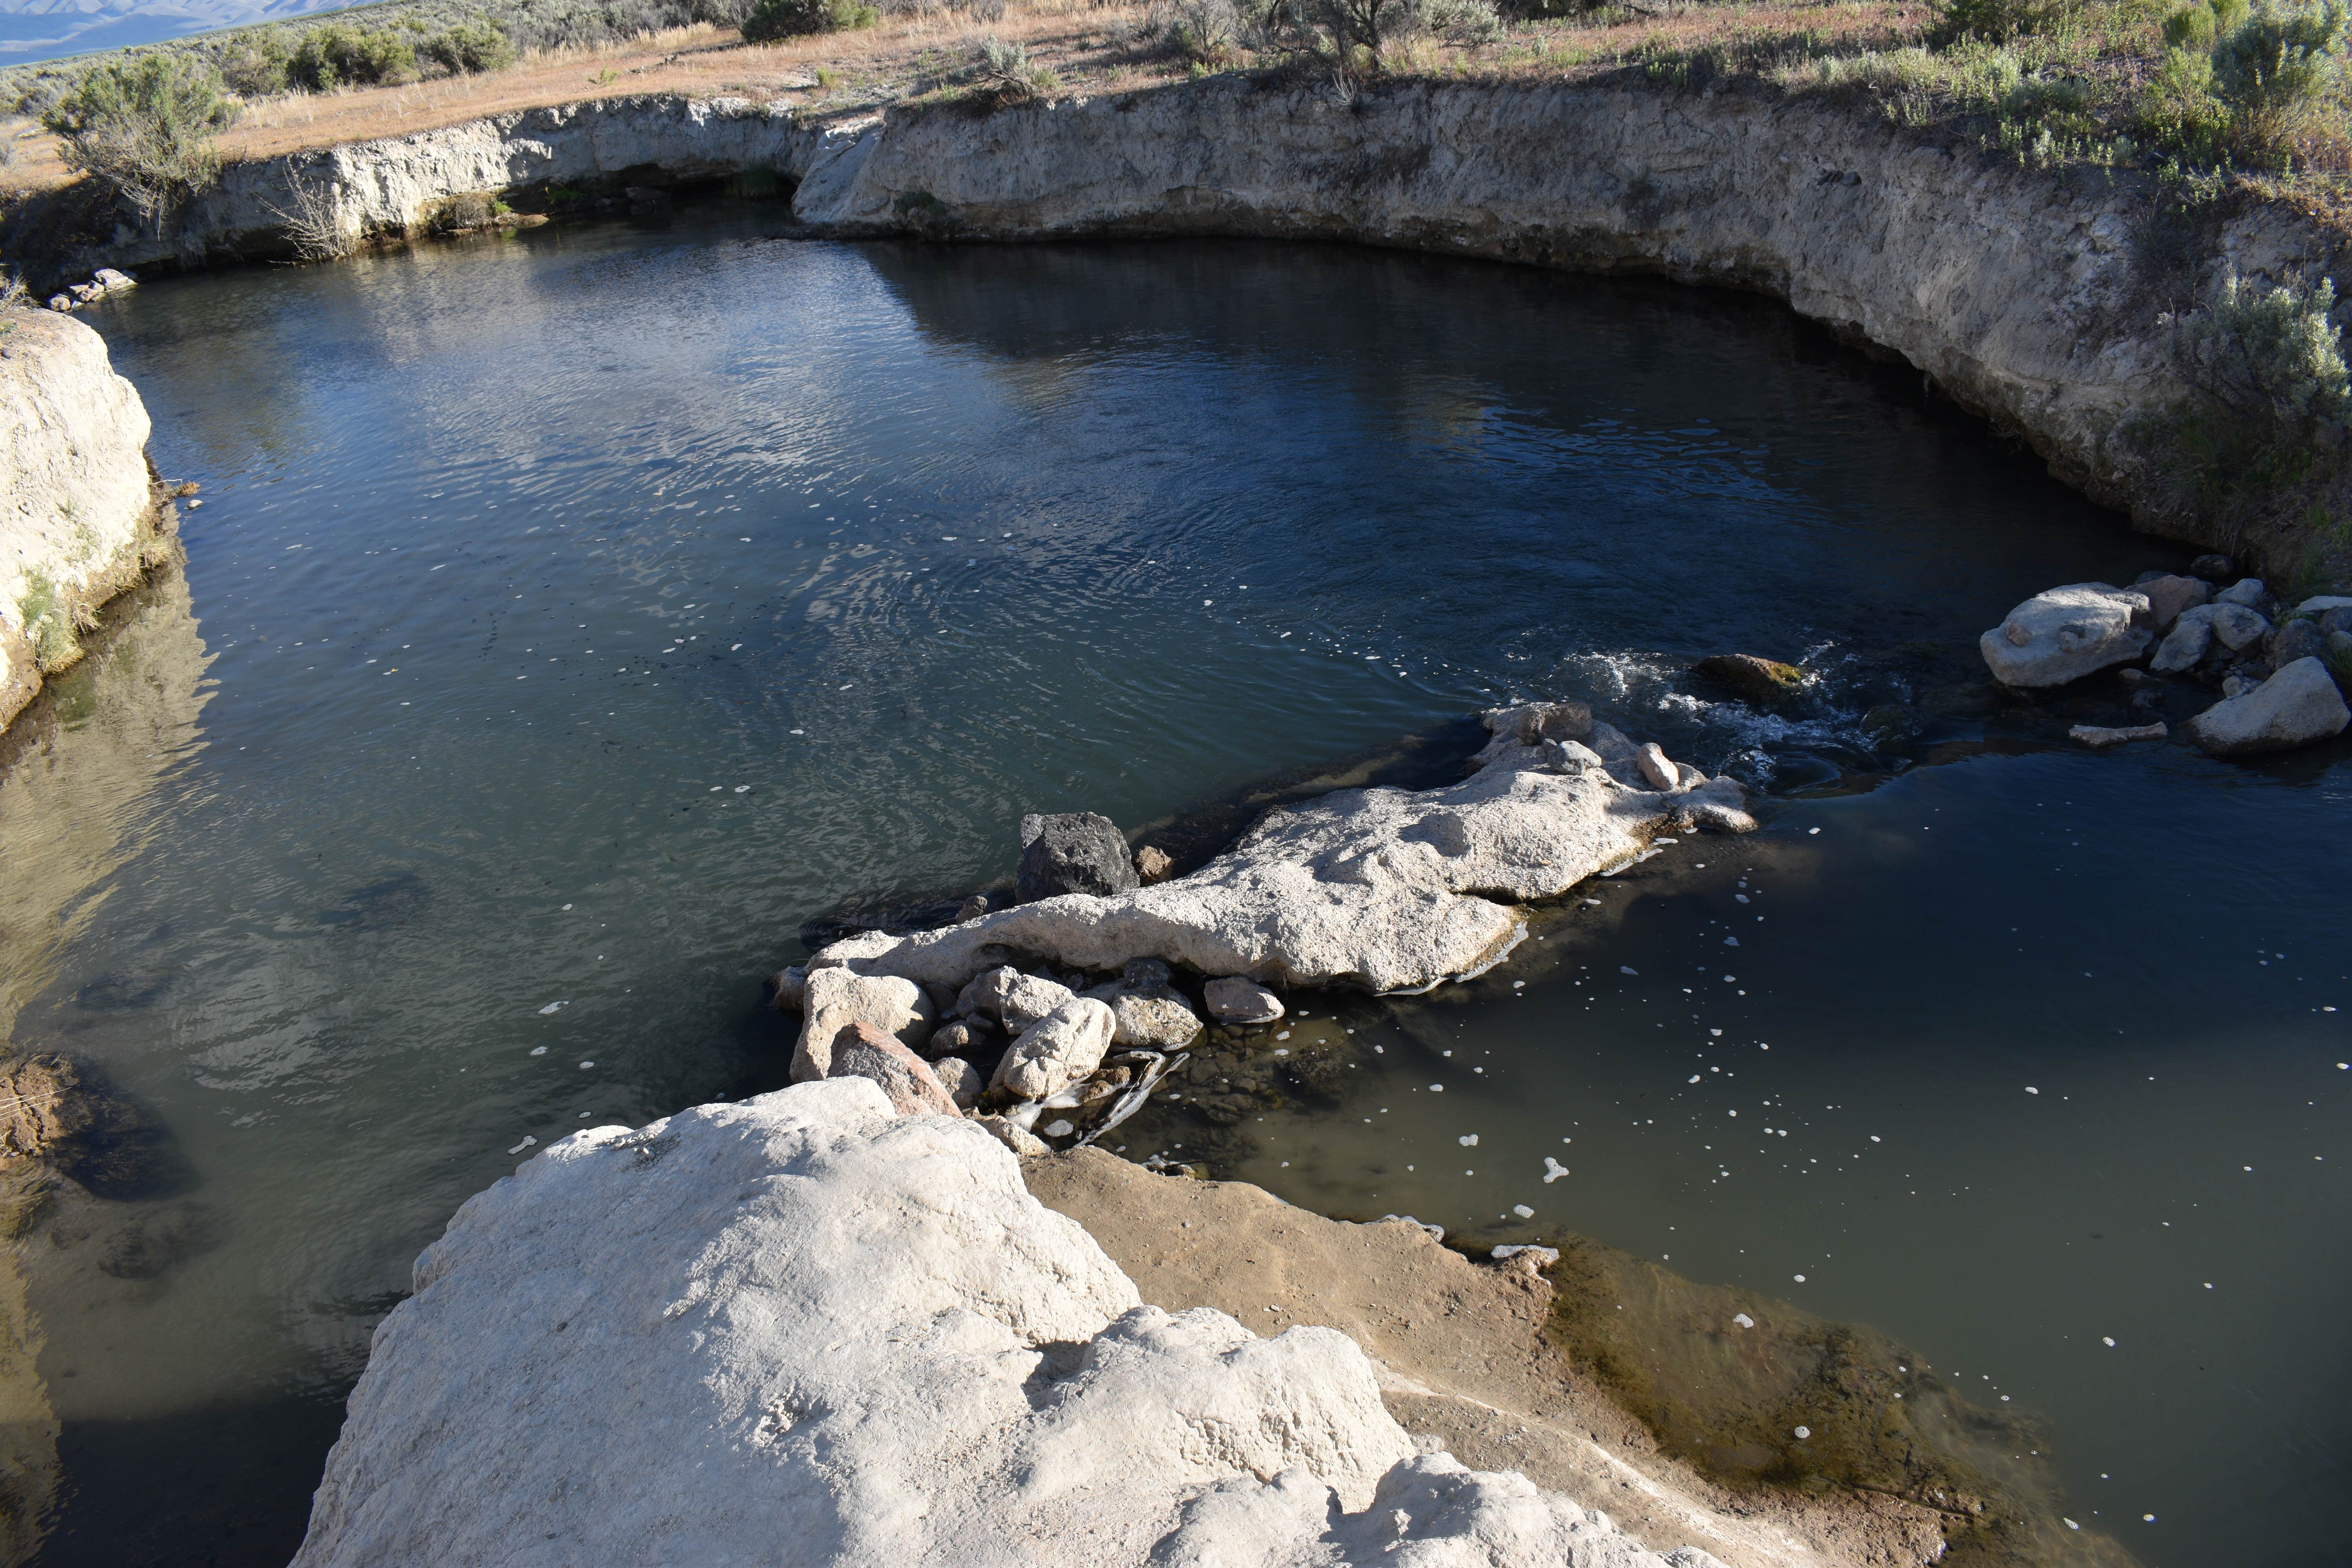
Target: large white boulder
2294	708
802	1331
1388	888
2064	634
76	514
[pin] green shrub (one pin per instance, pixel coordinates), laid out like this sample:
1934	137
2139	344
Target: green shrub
338	54
2178	108
1999	21
773	19
469	49
2277	66
1004	69
145	126
254	64
2273	355
1206	32
1355	34
2195	25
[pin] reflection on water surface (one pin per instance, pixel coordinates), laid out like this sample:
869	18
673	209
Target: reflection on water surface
584	613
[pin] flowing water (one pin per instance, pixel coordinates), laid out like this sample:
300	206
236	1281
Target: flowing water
569	619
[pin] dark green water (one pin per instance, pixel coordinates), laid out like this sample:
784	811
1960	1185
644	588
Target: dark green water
569	620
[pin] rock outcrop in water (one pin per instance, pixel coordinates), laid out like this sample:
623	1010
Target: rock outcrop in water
2296	707
804	1329
79	519
2280	688
2064	634
1387	888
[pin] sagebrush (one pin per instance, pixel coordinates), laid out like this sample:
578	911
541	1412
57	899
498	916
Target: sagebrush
145	126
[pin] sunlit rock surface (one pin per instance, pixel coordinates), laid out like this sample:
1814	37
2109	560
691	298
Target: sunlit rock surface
1391	888
804	1329
75	507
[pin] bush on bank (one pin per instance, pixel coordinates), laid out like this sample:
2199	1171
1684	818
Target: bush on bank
771	19
145	127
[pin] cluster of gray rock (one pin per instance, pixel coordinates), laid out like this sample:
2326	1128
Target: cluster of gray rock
1061	1042
1062	1013
104	282
2283	669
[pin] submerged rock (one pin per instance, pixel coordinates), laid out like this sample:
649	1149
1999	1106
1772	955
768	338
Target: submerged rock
1716	805
1759	680
1075	852
2099	737
2295	706
838	999
2064	634
64	1114
1387	888
1234	1000
1065	1046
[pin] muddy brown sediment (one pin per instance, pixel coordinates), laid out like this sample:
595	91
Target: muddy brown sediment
1509	1371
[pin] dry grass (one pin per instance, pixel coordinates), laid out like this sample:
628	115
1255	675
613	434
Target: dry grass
915	53
905	54
2072	95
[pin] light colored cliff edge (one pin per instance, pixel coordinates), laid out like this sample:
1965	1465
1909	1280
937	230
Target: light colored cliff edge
79	518
2019	292
393	185
804	1329
2024	295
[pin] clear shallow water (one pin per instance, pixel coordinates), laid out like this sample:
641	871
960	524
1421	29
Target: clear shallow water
569	620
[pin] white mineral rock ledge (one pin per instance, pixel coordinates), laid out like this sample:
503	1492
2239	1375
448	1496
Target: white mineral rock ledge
78	516
1393	889
804	1329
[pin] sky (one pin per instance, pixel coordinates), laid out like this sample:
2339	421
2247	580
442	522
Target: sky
33	30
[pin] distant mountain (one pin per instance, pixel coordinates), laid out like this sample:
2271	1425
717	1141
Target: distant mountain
34	30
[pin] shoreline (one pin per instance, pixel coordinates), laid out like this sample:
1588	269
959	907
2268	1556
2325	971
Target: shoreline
2017	294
